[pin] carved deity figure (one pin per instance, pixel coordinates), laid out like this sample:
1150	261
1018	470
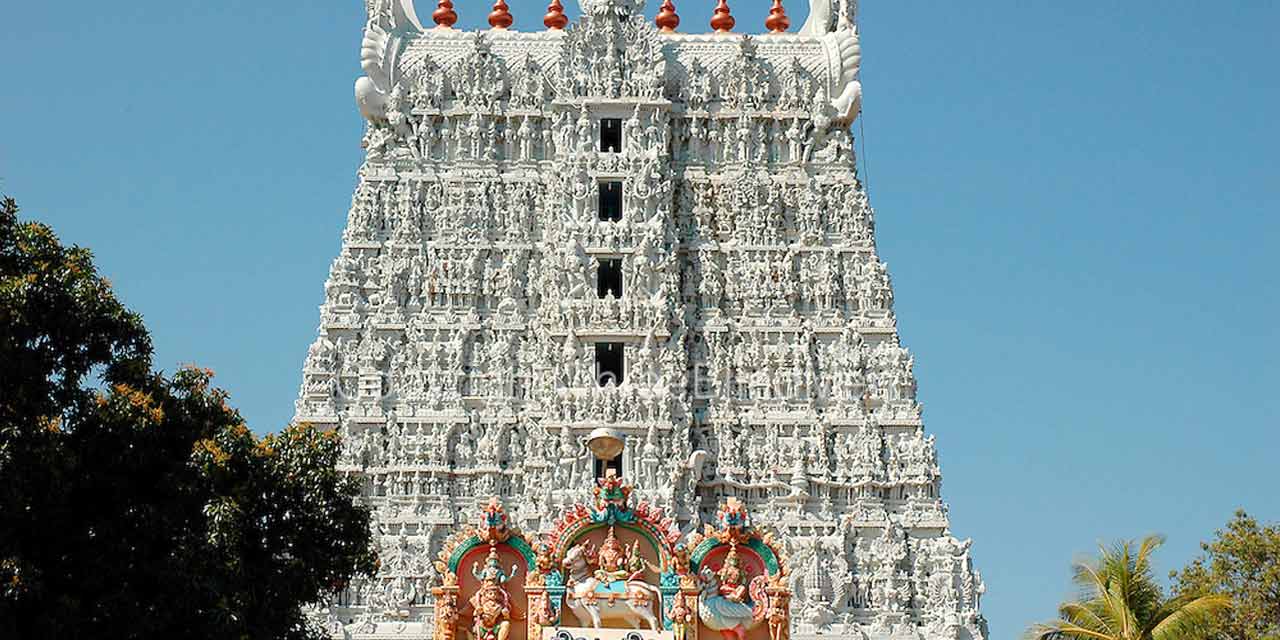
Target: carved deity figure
446	615
682	616
724	605
778	614
615	562
491	604
614	590
544	563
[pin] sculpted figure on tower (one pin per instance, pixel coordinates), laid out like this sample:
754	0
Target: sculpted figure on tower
724	605
491	604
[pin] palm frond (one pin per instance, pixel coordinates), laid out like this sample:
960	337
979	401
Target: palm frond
1188	617
1062	629
1145	595
1118	602
1120	599
1088	577
1147	547
1082	615
1125	571
1096	594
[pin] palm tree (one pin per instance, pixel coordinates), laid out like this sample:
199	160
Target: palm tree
1120	600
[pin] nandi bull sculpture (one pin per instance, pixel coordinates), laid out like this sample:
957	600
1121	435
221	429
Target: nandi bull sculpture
615	589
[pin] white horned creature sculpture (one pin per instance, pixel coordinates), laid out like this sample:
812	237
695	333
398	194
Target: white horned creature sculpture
391	24
614	591
832	21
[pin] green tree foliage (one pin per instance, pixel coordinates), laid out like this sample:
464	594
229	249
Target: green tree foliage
1242	562
1120	600
135	505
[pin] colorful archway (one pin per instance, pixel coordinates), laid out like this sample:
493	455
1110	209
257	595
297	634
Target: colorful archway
741	572
476	567
611	565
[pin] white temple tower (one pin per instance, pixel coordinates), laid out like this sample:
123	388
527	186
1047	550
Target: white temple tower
625	233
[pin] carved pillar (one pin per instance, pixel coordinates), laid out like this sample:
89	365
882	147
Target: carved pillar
543	599
684	611
779	614
446	610
541	612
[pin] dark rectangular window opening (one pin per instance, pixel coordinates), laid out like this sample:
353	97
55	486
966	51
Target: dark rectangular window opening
610	201
603	466
609	277
609	363
611	135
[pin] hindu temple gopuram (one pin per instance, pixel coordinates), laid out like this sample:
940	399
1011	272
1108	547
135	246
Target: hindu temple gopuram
611	347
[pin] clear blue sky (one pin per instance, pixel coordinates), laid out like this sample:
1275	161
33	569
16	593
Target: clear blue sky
1078	203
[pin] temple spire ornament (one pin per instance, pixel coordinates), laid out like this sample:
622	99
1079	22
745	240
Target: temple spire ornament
777	22
555	18
444	15
500	17
667	19
721	20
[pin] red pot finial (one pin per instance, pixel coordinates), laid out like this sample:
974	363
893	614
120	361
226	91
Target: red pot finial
500	17
444	15
667	19
555	18
722	22
777	22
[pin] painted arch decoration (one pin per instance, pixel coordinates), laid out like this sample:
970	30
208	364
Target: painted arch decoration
616	561
740	576
479	569
612	565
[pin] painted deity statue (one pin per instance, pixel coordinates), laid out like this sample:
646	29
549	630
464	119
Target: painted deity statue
615	563
612	494
682	615
491	603
726	604
607	584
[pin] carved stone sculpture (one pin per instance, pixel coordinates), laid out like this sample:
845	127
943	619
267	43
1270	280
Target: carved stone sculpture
491	604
